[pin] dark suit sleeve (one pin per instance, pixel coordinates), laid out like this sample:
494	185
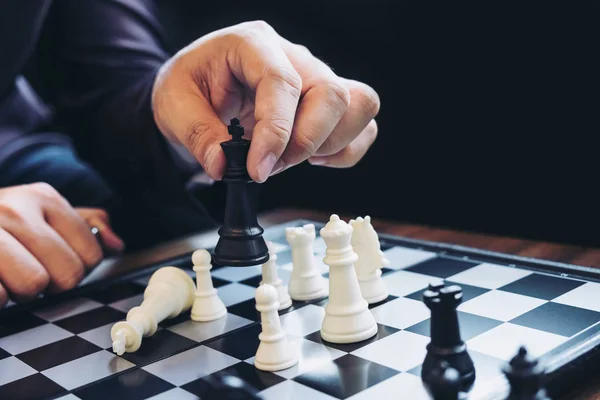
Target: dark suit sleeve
98	60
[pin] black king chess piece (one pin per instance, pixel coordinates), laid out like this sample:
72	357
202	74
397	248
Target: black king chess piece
446	344
525	376
240	238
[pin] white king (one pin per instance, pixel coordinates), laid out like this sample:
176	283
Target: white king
370	260
306	282
347	315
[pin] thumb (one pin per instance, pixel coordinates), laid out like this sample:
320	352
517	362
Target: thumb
184	114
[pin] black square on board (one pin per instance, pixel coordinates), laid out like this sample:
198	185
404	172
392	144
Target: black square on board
11	324
35	386
441	267
163	343
58	353
471	325
4	354
116	292
253	281
241	344
382	331
469	292
131	385
91	319
345	376
259	380
541	286
558	318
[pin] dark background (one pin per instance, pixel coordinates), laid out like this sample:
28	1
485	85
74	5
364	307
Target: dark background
488	117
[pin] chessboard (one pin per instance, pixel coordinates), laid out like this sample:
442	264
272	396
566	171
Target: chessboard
60	347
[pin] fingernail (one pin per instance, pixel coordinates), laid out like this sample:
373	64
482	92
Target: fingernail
317	161
265	166
280	166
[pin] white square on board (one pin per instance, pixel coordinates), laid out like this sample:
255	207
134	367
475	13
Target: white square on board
404	257
401	313
401	351
489	276
33	338
500	305
402	283
585	296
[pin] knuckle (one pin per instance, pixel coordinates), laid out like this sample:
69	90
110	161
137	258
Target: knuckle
305	144
281	128
260	25
337	95
371	131
69	280
9	213
303	49
34	283
93	255
368	101
289	77
196	135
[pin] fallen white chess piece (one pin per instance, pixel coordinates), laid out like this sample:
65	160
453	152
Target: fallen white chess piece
170	291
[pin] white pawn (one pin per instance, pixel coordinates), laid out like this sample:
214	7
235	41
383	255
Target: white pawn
370	260
347	315
306	282
170	291
274	351
207	304
269	276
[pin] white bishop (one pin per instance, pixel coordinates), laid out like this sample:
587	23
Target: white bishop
370	260
347	315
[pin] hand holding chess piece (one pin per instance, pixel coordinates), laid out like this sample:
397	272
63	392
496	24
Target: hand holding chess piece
170	291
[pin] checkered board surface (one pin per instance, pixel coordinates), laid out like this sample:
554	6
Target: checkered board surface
63	350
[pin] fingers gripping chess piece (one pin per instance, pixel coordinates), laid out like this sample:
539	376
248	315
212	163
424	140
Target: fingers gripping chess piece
207	304
274	351
525	376
269	276
170	291
306	282
370	260
347	315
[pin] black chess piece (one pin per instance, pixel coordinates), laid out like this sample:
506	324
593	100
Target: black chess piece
446	343
444	382
229	387
240	238
525	376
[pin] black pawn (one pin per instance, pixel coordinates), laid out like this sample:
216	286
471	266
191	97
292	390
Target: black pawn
446	343
444	382
240	238
525	376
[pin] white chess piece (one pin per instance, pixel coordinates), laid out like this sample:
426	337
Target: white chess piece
371	259
207	304
306	282
170	291
274	351
270	276
347	315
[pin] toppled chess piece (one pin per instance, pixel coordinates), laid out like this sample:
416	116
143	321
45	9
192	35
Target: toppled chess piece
207	304
525	376
240	238
270	276
306	282
274	351
170	291
370	260
229	387
446	343
347	315
444	383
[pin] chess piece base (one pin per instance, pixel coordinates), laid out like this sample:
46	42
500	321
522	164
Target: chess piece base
305	289
348	328
265	364
373	288
207	302
457	358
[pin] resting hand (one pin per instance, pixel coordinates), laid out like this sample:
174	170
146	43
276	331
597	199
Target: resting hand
45	244
291	104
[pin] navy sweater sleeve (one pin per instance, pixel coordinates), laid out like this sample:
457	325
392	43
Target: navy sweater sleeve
98	60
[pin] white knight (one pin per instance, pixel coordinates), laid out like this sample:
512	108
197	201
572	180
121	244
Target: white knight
370	260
